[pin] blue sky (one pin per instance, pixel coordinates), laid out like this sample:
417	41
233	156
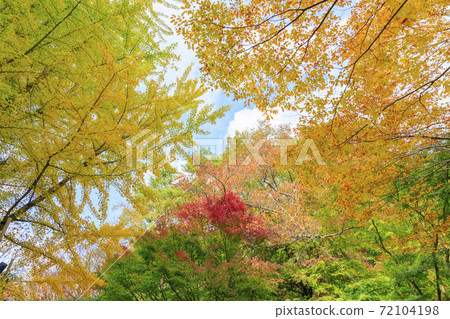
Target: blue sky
237	118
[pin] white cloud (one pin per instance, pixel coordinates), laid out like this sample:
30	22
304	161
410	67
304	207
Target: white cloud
249	118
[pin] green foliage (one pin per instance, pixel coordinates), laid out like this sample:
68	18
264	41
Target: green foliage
180	261
79	79
378	259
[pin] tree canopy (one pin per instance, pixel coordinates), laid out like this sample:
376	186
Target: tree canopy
77	79
350	204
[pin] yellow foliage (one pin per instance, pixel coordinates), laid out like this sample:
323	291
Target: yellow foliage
77	79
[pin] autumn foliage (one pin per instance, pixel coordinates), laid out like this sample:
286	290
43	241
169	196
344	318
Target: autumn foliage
78	79
229	214
361	215
198	252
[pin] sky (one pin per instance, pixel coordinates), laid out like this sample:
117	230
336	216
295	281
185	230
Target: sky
237	118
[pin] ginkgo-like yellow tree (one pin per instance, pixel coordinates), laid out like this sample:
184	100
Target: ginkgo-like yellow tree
77	79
